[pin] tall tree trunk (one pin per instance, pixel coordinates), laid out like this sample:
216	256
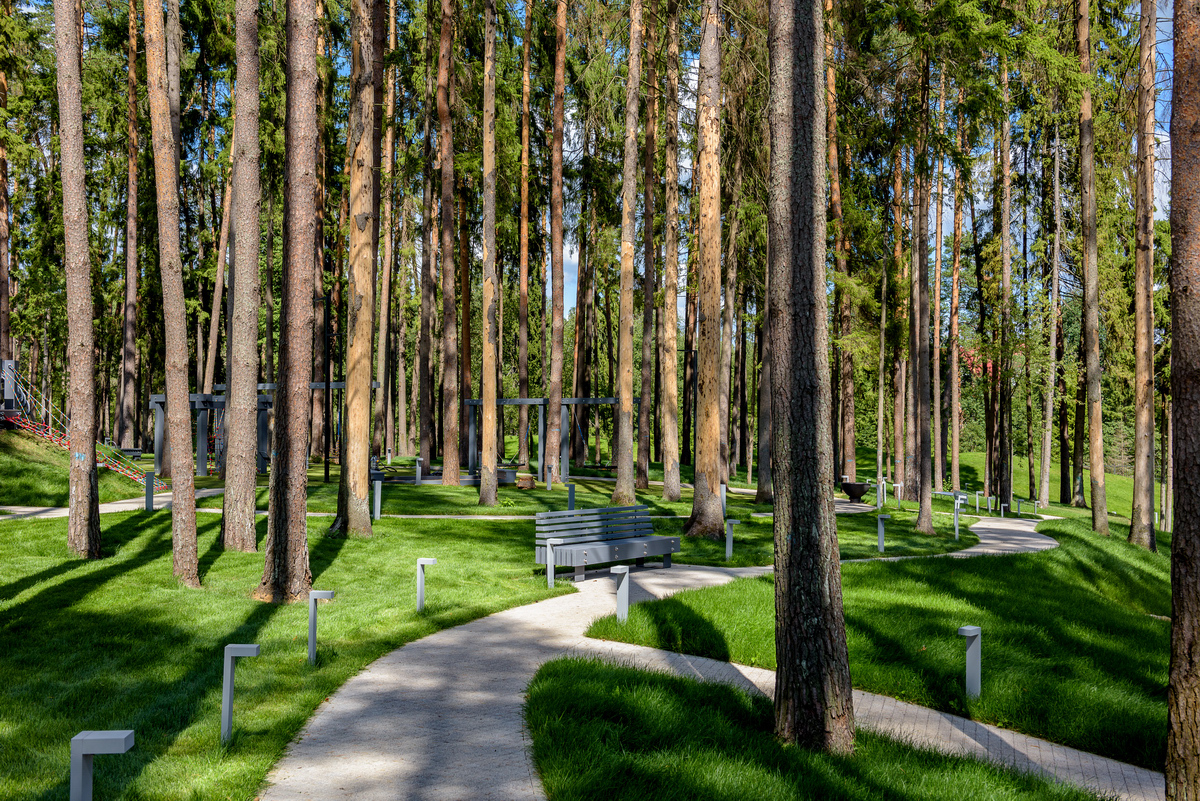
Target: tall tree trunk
127	400
1183	688
707	516
813	698
428	286
268	292
83	526
491	287
1141	528
939	449
387	226
214	329
729	309
1078	499
623	492
6	340
466	337
450	430
1004	442
523	265
689	357
845	459
354	513
881	389
668	343
899	363
554	432
1055	313
322	95
286	574
960	183
173	33
765	492
241	408
921	360
1091	278
650	269
175	365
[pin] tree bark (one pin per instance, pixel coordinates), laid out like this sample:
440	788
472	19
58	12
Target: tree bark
707	516
241	408
899	363
523	265
487	476
354	513
450	431
1141	528
939	452
1091	279
83	525
765	491
729	307
175	365
466	337
669	360
960	182
1077	496
845	457
1053	325
387	226
428	282
1183	688
127	400
1003	446
813	697
286	574
214	320
650	269
921	384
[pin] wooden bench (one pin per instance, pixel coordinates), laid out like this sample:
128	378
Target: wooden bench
583	538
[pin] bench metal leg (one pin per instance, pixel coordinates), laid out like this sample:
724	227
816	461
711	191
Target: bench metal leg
640	561
666	560
579	572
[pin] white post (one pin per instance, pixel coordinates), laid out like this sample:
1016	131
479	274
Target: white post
378	497
232	652
83	746
621	573
550	543
989	499
957	505
421	580
972	633
900	486
977	494
1003	506
729	524
879	525
313	597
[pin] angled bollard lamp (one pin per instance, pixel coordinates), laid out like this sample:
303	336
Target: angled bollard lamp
972	633
879	525
313	597
232	652
729	524
621	574
86	744
421	563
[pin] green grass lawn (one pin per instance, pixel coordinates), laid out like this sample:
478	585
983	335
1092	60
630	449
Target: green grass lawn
606	732
1072	650
118	644
34	472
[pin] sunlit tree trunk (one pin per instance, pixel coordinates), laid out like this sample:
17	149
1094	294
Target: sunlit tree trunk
1141	528
845	460
1003	445
175	365
1052	324
214	327
491	289
923	462
383	355
813	696
670	310
706	519
939	451
650	270
354	513
523	266
961	182
286	574
1091	277
428	283
450	431
83	525
554	432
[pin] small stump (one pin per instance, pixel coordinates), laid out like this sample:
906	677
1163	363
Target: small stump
526	482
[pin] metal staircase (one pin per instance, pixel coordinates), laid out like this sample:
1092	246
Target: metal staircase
25	407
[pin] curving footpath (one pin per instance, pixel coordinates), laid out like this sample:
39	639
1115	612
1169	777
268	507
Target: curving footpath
442	717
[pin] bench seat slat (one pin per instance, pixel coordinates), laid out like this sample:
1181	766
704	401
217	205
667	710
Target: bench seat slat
622	525
611	551
585	512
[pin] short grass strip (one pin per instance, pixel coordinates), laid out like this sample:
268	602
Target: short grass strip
117	644
606	732
1072	649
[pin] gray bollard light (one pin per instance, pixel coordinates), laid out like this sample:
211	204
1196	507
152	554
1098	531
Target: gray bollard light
86	744
1003	506
972	633
957	506
570	496
232	652
899	503
989	500
550	543
418	481
879	524
149	491
389	450
421	580
729	524
977	494
378	497
1018	507
723	512
621	573
313	597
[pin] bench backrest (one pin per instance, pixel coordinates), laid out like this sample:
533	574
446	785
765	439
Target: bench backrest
589	525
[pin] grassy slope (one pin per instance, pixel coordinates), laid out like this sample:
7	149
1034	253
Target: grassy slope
117	644
34	472
1072	651
634	734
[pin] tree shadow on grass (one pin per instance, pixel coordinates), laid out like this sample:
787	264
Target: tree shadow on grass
679	628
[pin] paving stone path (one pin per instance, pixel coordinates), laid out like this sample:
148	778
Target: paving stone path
162	500
441	718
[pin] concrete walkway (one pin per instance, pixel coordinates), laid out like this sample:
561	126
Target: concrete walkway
442	717
162	500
